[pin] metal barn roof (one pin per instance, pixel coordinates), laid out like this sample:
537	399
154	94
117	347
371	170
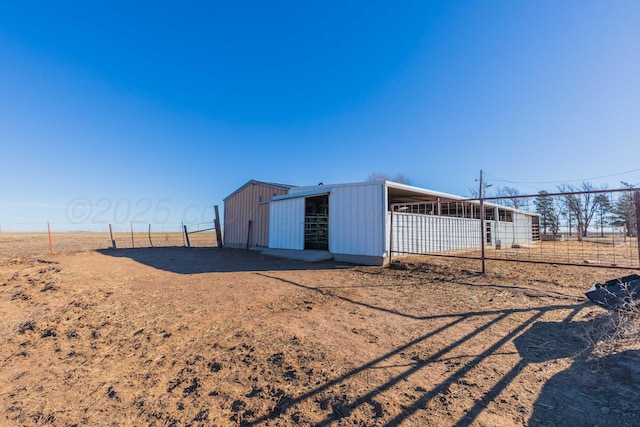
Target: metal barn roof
264	183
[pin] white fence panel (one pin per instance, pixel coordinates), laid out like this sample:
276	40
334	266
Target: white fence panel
415	233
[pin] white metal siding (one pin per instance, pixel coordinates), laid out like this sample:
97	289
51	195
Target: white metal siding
415	233
356	220
518	231
286	224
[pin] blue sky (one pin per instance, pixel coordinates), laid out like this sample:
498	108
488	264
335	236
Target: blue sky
154	111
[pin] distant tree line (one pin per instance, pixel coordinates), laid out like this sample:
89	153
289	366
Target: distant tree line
578	209
583	205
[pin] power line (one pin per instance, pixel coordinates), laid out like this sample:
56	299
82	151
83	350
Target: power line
560	182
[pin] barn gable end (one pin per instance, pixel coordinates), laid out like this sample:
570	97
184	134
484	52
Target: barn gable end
246	213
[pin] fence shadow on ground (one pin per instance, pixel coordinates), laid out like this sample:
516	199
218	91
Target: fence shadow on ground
580	395
593	390
564	337
199	260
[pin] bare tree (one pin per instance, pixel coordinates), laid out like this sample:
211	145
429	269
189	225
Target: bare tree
401	178
379	176
582	205
623	211
511	197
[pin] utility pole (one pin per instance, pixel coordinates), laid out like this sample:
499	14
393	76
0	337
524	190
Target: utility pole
636	202
481	223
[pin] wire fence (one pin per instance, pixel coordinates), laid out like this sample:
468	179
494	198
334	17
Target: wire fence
589	228
58	238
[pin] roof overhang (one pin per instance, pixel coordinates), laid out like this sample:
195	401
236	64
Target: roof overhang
303	194
403	193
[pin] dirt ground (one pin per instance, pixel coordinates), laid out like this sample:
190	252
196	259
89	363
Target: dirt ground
219	337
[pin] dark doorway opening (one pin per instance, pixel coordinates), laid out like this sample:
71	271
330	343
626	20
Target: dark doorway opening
316	222
488	232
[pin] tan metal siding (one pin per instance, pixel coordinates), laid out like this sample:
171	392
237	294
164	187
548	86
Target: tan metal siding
244	206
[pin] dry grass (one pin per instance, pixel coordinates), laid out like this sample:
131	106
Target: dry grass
37	244
570	252
574	252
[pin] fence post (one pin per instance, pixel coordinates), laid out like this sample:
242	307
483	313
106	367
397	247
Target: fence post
50	244
186	236
391	236
249	234
150	242
133	245
636	199
217	226
482	229
113	242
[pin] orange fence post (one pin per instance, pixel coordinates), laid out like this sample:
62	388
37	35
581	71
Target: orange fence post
50	244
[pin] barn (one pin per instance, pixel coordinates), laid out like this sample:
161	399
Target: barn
365	222
246	214
354	222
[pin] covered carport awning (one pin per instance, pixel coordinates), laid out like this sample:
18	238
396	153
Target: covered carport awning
401	193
